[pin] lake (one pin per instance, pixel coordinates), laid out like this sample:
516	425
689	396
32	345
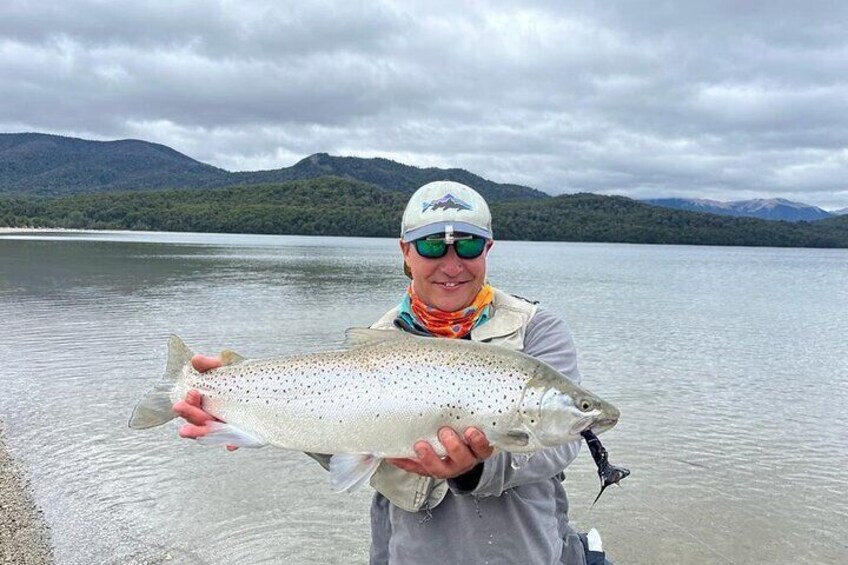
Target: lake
729	365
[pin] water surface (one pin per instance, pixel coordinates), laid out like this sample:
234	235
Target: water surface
729	366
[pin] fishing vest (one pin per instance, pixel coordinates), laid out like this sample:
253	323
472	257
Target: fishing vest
506	327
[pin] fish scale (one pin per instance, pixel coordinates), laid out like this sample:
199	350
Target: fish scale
386	391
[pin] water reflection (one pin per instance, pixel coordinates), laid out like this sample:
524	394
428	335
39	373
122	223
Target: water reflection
45	268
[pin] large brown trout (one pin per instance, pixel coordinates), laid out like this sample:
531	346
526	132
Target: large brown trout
378	397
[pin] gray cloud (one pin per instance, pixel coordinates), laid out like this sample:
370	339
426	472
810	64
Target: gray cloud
725	100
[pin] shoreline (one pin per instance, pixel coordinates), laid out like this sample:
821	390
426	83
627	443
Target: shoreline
6	229
23	534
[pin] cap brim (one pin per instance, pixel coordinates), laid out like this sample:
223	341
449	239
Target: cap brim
439	227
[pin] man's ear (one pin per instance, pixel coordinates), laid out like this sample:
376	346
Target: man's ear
405	248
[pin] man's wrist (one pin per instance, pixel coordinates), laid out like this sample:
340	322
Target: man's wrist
469	480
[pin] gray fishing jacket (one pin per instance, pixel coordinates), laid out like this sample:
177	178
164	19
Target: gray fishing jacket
512	513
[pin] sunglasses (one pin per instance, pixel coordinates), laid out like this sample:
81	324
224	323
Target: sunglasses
466	247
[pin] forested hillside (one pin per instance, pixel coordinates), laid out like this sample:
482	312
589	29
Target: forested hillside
592	217
50	165
34	164
336	206
388	174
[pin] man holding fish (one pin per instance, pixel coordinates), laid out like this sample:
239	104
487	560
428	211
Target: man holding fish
459	500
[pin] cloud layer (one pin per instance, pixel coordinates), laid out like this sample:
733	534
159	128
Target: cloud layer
725	100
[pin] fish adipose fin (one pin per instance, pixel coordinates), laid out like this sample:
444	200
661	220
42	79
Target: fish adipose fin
349	471
227	434
154	409
361	337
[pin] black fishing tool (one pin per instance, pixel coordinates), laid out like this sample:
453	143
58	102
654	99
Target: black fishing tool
609	474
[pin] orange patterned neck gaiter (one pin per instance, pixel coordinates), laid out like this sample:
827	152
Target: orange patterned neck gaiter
451	324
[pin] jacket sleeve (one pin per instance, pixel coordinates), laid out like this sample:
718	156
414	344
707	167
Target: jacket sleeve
548	339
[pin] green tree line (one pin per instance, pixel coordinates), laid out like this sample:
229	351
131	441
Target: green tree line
337	206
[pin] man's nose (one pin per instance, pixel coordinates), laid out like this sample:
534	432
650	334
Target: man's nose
451	264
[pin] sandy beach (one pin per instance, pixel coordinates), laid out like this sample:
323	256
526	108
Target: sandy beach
23	537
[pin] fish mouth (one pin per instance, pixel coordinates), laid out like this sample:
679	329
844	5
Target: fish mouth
593	423
602	425
583	424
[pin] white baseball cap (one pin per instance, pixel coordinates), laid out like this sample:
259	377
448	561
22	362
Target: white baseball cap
445	207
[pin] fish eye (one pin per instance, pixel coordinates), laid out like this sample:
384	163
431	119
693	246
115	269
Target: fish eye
585	405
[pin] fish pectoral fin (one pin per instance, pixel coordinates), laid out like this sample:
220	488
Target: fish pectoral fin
230	357
349	471
227	434
518	437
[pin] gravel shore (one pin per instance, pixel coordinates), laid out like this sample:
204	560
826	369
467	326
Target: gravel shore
23	537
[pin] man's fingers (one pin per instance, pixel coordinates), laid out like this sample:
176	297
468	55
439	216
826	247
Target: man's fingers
457	450
204	363
191	413
191	408
478	443
190	431
194	398
408	465
432	464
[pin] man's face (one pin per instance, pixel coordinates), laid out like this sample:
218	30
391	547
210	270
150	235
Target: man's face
448	283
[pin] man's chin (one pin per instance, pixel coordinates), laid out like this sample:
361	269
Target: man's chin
452	303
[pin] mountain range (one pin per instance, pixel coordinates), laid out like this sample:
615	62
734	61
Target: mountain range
43	165
767	209
36	164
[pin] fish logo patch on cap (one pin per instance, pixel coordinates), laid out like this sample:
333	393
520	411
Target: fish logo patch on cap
446	202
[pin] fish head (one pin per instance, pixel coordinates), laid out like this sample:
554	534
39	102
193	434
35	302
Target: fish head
558	412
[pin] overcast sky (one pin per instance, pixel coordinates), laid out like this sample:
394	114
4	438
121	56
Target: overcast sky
715	99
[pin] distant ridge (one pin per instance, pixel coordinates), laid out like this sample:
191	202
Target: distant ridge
36	164
51	165
387	174
766	209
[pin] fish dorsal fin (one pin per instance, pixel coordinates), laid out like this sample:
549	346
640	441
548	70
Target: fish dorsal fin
362	337
230	357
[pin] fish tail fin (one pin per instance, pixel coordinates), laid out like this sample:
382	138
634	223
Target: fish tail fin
154	409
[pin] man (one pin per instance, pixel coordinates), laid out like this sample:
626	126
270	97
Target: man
473	505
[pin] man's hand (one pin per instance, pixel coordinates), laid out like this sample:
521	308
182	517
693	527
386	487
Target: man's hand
191	407
463	454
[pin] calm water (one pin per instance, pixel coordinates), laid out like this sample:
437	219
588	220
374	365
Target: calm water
730	366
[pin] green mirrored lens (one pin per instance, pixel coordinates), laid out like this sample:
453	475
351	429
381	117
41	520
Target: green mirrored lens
470	248
431	248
